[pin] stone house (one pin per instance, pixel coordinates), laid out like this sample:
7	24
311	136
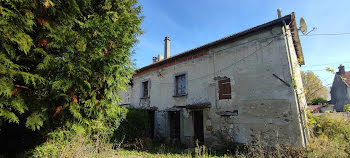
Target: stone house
243	88
340	90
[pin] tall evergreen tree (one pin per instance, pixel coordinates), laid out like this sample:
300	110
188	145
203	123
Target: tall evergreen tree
63	61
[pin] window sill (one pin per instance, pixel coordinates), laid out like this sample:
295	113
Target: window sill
225	98
180	95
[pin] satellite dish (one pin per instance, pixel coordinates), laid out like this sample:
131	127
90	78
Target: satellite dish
303	26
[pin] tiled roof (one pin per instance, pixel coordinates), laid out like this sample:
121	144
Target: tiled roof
314	108
346	76
288	19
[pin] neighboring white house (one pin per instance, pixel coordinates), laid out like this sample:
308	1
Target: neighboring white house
243	88
340	91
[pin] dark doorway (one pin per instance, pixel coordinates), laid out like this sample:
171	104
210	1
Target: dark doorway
151	123
174	120
198	126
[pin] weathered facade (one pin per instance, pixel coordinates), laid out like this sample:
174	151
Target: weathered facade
340	91
243	88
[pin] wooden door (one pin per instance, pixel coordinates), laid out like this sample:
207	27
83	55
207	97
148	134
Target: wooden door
174	120
198	126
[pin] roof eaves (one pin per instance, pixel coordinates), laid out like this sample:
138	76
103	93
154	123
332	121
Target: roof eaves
296	40
288	19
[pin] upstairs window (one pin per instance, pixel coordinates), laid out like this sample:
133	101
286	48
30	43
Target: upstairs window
224	89
180	87
145	89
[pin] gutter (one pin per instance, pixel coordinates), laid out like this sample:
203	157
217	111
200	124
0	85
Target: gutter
294	90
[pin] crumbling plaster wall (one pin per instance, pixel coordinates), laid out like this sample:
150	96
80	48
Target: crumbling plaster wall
267	107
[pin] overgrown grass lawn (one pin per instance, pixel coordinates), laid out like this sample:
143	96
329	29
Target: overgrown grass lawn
144	154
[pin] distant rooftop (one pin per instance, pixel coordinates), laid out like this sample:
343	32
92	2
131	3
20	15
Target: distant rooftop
345	75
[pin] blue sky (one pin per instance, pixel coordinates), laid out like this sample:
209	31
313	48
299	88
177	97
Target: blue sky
191	23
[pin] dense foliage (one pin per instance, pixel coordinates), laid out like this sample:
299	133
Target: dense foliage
347	108
136	125
63	61
74	143
318	101
331	136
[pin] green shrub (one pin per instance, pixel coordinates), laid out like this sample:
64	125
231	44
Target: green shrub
76	142
134	129
318	101
331	136
347	107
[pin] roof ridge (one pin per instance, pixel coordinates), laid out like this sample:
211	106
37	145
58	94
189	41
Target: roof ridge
287	18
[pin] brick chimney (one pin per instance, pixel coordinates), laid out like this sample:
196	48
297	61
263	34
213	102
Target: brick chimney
341	70
166	47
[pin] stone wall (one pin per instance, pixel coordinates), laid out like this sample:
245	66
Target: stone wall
264	106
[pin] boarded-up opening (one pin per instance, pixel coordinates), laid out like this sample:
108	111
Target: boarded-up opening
174	120
224	89
198	126
151	123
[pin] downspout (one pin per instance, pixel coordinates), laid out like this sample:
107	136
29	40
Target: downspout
296	94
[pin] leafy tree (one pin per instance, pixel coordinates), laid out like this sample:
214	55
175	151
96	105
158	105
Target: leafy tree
63	61
318	101
313	87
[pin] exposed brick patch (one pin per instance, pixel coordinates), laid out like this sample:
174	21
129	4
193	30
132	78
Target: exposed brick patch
173	62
